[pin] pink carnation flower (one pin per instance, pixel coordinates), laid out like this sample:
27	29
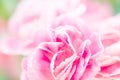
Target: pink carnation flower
26	36
69	55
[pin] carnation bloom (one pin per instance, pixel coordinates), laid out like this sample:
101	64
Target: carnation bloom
24	36
69	55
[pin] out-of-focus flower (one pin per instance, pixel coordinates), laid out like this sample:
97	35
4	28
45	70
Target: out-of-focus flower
69	55
29	11
30	38
9	65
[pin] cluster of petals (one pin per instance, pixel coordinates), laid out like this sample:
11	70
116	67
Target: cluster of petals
59	37
69	55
